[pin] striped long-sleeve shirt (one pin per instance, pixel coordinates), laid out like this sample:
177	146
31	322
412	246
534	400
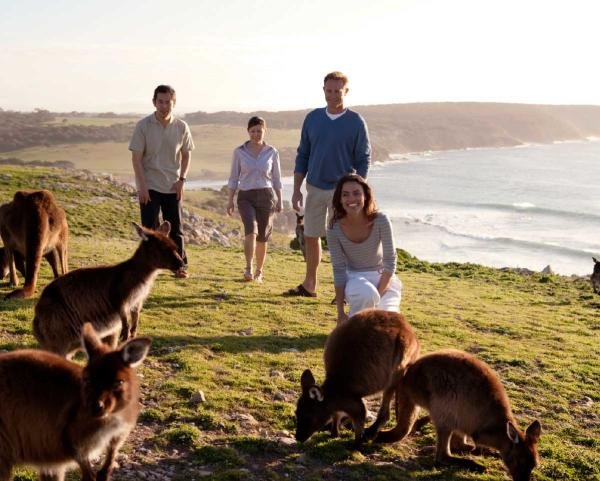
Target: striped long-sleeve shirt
376	252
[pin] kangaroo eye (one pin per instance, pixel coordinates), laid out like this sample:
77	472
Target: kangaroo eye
118	385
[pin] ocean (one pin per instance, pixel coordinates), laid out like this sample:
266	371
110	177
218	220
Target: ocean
528	206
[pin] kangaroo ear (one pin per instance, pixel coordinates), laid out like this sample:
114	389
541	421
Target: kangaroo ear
595	260
90	341
165	227
534	431
140	231
315	393
307	380
512	433
134	351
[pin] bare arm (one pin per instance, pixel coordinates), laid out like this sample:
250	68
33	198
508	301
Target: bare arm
297	200
140	180
384	282
177	187
230	206
339	302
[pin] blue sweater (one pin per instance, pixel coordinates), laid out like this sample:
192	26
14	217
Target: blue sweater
330	149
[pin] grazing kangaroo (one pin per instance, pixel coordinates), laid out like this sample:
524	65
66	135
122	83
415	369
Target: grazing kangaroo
464	396
104	296
54	413
595	277
32	226
363	356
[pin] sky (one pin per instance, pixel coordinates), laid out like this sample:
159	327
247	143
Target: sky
98	56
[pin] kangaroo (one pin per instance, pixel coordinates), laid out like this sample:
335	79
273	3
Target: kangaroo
464	396
32	226
5	268
595	277
300	233
54	413
104	296
363	356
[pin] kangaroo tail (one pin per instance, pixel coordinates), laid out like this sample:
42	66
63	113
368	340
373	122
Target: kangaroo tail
36	232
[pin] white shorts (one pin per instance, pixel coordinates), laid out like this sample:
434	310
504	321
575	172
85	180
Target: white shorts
361	292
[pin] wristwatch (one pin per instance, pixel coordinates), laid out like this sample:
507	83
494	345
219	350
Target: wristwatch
182	179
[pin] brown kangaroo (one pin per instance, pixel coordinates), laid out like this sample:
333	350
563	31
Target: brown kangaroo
5	268
464	396
363	356
54	413
32	226
104	296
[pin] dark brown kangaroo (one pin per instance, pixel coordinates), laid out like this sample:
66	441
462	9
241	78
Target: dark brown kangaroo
595	277
53	413
33	226
365	355
104	296
465	397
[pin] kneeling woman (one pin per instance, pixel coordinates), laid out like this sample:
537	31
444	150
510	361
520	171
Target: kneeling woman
362	250
255	172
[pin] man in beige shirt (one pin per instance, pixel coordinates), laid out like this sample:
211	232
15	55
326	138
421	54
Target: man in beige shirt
161	149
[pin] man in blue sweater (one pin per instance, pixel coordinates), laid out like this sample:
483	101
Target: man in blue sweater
334	142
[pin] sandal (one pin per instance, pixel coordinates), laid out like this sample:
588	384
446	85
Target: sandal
248	275
299	291
258	276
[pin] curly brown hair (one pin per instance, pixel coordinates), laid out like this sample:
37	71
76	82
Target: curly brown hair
370	208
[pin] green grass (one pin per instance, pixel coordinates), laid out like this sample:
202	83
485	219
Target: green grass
541	333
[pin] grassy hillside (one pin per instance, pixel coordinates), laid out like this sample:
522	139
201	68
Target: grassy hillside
212	157
245	346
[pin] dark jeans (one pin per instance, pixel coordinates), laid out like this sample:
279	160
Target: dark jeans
171	211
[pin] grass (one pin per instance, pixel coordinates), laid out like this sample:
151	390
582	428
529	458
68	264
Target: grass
212	156
215	333
93	121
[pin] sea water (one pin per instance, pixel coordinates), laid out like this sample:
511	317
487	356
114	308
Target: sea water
528	206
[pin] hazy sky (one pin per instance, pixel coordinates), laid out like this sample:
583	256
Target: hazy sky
272	54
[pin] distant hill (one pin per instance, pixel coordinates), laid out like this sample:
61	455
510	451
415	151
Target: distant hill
395	128
398	128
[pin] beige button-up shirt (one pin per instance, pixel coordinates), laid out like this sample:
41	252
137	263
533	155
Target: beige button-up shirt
161	147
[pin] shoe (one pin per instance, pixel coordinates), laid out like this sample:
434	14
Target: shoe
299	291
248	275
181	273
258	276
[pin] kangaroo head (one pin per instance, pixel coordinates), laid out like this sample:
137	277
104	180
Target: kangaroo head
158	248
109	380
312	412
522	456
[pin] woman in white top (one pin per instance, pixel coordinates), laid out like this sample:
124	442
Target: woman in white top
361	246
255	172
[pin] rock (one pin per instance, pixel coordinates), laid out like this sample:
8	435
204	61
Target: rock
276	373
290	349
247	331
286	441
198	397
244	418
547	270
302	459
279	396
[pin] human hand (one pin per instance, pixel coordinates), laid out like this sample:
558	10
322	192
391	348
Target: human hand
177	187
143	196
279	205
230	207
297	200
342	317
